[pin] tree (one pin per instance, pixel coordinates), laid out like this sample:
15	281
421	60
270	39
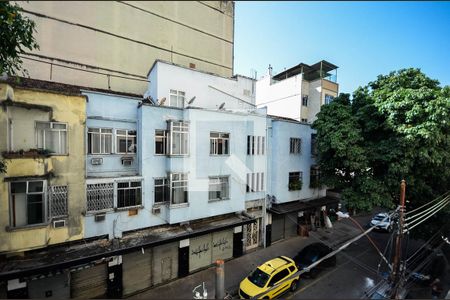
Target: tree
16	34
397	127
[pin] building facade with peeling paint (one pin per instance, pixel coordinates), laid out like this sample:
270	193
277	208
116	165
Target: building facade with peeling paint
42	191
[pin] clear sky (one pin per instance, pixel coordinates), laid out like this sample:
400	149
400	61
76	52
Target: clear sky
364	39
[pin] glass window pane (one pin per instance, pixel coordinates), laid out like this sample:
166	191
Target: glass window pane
123	184
135	183
35	209
43	125
93	130
18	187
59	126
121	132
35	187
104	130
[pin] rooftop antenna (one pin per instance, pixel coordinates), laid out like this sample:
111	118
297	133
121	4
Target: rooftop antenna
161	102
222	105
192	100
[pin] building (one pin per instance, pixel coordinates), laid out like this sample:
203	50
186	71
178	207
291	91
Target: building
299	92
110	45
42	192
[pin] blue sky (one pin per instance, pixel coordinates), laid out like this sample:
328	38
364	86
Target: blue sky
364	39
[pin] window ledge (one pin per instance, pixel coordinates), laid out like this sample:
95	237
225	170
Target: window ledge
129	207
218	200
96	212
159	204
219	155
26	227
180	205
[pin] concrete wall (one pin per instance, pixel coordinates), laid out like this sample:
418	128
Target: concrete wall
282	162
209	91
282	98
114	112
124	38
68	170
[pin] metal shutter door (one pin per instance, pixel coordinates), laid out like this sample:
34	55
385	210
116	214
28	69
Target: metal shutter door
89	283
200	252
136	271
165	263
50	287
277	227
290	224
222	245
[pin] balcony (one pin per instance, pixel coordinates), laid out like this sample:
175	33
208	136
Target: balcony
27	163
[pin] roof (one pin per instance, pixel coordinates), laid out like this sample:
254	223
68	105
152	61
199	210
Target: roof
63	88
310	71
279	118
273	264
59	257
299	205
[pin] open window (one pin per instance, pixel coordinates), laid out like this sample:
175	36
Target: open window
28	205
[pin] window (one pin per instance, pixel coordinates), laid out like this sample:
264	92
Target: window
52	136
263	144
305	100
255	182
295	181
179	137
160	141
295	146
129	193
304	120
177	98
99	141
278	277
255	145
162	192
100	196
27	203
179	188
314	177
219	143
126	141
57	201
313	144
328	99
218	188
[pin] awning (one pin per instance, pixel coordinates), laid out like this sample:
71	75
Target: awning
301	205
59	257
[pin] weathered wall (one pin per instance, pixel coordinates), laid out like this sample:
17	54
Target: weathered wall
68	170
124	38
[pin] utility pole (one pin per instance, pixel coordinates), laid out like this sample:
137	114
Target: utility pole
396	266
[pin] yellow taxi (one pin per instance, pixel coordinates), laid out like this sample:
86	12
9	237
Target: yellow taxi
261	281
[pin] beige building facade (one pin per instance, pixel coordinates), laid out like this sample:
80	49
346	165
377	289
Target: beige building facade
112	45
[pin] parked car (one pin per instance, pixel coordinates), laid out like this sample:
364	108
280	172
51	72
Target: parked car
266	276
382	221
312	253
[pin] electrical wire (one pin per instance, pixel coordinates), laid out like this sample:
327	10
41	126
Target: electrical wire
436	199
426	217
429	209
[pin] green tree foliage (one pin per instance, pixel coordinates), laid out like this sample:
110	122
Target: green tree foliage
16	35
395	128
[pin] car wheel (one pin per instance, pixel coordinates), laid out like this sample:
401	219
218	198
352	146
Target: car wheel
313	273
293	286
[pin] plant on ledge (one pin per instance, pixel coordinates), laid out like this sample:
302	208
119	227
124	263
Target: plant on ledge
295	185
29	153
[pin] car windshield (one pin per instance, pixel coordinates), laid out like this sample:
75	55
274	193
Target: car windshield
380	218
258	278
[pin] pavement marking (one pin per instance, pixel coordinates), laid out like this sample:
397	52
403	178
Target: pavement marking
324	276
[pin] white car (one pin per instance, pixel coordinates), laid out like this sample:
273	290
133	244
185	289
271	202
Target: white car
382	221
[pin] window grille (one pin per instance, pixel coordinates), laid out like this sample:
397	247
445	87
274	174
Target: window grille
100	196
57	204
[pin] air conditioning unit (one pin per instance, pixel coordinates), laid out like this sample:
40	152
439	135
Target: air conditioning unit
127	161
100	217
156	210
96	161
59	223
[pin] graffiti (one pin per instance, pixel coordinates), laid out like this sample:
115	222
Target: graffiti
201	248
222	244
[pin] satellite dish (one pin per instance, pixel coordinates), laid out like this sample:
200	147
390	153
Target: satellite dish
192	100
222	105
161	102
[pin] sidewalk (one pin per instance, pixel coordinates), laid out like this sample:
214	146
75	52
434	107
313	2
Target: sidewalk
236	269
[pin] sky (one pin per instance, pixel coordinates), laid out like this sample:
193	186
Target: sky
364	39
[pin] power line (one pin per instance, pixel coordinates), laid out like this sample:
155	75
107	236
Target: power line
425	217
428	209
439	197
